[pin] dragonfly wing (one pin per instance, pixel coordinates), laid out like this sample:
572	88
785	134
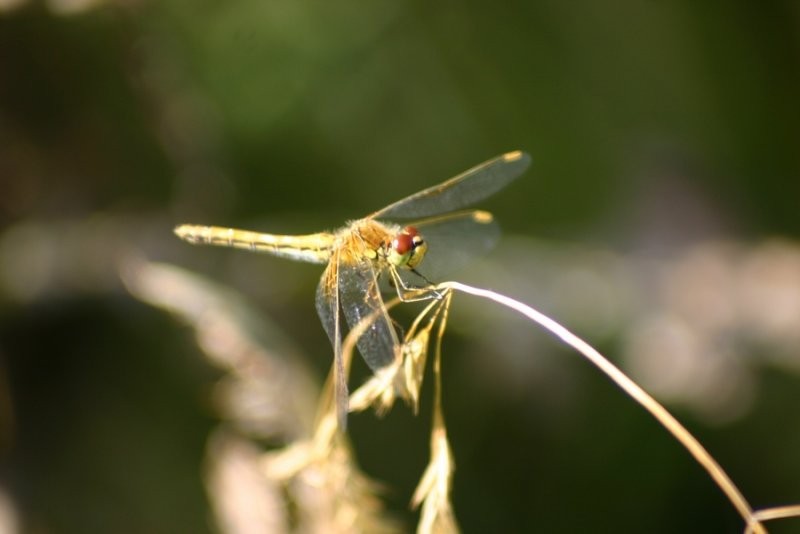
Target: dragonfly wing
327	302
461	191
453	241
361	301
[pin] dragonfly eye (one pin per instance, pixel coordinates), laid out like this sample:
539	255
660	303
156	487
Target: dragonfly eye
407	248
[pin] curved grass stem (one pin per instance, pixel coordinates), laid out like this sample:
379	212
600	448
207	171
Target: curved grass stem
630	387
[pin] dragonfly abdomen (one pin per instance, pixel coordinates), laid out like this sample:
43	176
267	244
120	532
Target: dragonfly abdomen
312	248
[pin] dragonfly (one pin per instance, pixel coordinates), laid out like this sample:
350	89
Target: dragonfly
371	249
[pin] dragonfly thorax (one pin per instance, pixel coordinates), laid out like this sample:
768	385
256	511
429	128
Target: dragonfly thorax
406	249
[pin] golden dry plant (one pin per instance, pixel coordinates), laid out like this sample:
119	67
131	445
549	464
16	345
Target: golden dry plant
404	380
313	467
315	473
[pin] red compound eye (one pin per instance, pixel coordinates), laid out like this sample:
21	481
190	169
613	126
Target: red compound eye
404	241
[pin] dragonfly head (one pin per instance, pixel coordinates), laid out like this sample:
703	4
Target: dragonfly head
407	248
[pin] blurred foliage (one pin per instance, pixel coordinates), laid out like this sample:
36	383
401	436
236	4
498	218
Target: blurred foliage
652	125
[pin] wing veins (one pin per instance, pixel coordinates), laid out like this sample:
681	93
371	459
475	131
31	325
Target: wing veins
460	191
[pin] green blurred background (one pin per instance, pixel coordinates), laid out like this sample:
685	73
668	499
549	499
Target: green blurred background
653	127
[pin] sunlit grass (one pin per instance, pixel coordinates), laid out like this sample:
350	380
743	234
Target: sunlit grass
404	378
323	463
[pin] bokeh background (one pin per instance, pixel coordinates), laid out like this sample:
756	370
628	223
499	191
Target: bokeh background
659	220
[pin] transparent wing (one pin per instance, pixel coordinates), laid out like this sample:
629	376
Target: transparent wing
327	302
463	190
361	299
453	241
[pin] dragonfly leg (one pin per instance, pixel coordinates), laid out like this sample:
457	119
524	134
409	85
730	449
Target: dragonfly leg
422	276
413	294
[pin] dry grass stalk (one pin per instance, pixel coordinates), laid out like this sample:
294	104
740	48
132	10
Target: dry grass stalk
319	475
753	520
